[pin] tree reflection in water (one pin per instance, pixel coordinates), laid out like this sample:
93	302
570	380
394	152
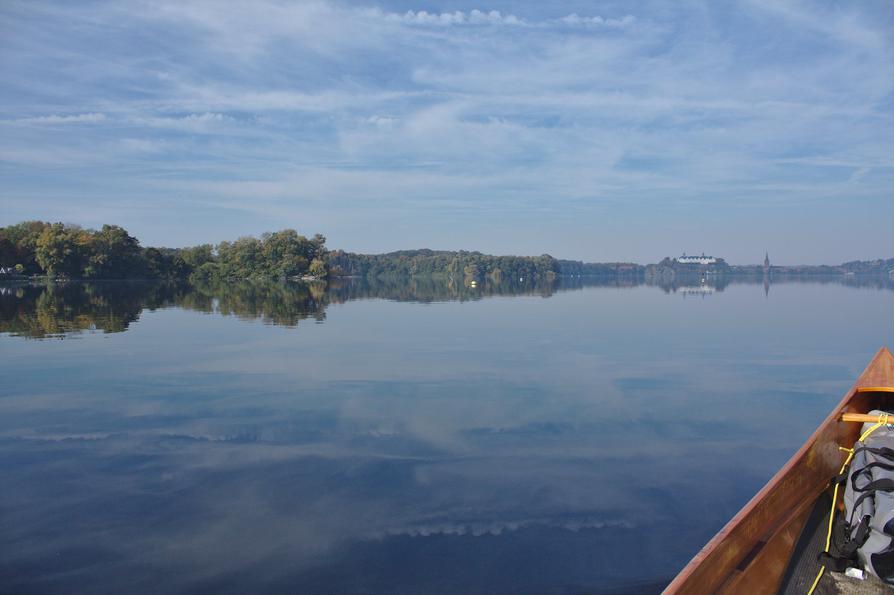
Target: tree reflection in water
57	310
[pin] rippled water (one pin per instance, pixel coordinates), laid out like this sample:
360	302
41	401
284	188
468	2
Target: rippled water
402	437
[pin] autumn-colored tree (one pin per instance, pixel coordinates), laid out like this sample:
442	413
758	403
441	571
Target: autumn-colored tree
58	250
318	268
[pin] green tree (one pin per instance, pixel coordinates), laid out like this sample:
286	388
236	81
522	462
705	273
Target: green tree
8	252
21	243
197	255
318	268
58	250
113	254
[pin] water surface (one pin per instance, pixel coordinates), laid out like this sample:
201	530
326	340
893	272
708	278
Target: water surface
403	437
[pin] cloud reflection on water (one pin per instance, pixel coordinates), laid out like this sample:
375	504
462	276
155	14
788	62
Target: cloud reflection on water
592	440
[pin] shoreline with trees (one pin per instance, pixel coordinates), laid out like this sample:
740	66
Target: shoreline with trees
37	249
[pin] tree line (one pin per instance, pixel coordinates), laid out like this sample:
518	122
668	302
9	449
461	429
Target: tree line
461	264
60	250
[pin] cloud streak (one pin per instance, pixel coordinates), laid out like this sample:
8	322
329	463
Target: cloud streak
495	17
55	119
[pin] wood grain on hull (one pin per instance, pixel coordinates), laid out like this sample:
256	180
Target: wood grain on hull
750	554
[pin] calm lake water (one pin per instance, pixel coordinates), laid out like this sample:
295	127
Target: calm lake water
402	438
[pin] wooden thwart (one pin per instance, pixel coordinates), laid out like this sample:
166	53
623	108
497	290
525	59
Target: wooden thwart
865	417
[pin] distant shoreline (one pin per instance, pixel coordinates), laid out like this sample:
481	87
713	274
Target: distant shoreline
37	249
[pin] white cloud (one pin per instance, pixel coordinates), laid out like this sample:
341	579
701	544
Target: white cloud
54	119
495	17
425	18
575	20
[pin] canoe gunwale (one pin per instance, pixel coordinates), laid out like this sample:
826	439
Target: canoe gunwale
762	534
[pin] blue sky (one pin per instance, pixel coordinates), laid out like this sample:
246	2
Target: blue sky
589	130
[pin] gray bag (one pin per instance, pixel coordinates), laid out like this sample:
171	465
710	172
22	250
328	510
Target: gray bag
869	501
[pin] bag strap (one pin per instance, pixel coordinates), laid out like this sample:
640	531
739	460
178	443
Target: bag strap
860	535
882	451
865	469
845	544
885	484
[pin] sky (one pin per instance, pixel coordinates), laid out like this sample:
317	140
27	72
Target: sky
598	131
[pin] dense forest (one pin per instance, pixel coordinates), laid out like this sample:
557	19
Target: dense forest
471	265
58	250
462	264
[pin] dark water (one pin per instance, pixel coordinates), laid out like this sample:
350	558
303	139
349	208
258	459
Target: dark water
403	437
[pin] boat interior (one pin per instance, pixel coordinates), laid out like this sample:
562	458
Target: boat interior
804	565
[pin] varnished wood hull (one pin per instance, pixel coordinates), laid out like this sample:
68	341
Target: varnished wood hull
751	553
